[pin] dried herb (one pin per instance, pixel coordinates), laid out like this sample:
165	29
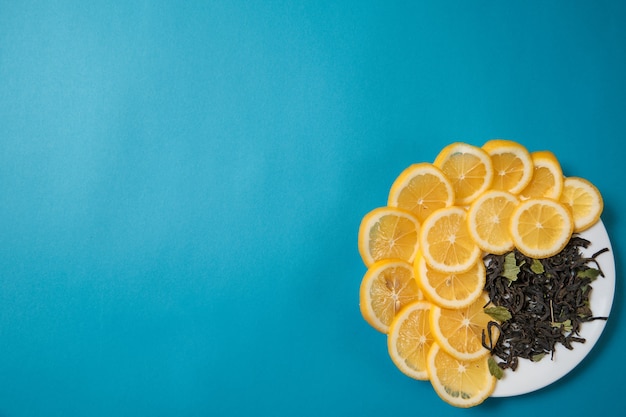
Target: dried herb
548	300
499	313
494	369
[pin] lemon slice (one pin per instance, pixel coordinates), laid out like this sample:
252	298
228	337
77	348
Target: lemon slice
387	286
409	339
541	227
584	200
459	331
458	382
450	290
469	169
547	180
488	221
512	165
388	233
445	241
421	189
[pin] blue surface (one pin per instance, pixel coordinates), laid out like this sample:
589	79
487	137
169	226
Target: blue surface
182	183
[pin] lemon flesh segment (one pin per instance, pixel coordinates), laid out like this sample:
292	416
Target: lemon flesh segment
421	189
409	339
388	233
387	286
458	382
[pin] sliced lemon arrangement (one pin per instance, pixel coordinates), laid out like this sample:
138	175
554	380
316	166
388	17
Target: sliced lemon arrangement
425	281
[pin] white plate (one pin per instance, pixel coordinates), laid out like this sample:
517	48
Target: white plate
531	376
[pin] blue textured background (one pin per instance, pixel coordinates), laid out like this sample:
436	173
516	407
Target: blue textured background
182	183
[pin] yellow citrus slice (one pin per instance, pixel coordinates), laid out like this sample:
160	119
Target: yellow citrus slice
460	383
421	189
469	169
388	233
512	165
488	221
541	227
459	331
445	241
450	290
387	286
585	201
547	180
409	339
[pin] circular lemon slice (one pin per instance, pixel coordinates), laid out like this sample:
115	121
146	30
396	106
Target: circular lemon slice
409	339
469	169
584	200
388	233
488	221
450	290
458	382
459	331
547	179
387	286
421	189
541	227
512	165
445	241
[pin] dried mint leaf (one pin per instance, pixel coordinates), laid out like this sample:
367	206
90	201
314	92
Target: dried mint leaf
537	267
590	273
537	357
499	313
511	269
565	325
494	369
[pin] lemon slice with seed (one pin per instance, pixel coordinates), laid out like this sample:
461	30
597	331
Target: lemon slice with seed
409	339
387	286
